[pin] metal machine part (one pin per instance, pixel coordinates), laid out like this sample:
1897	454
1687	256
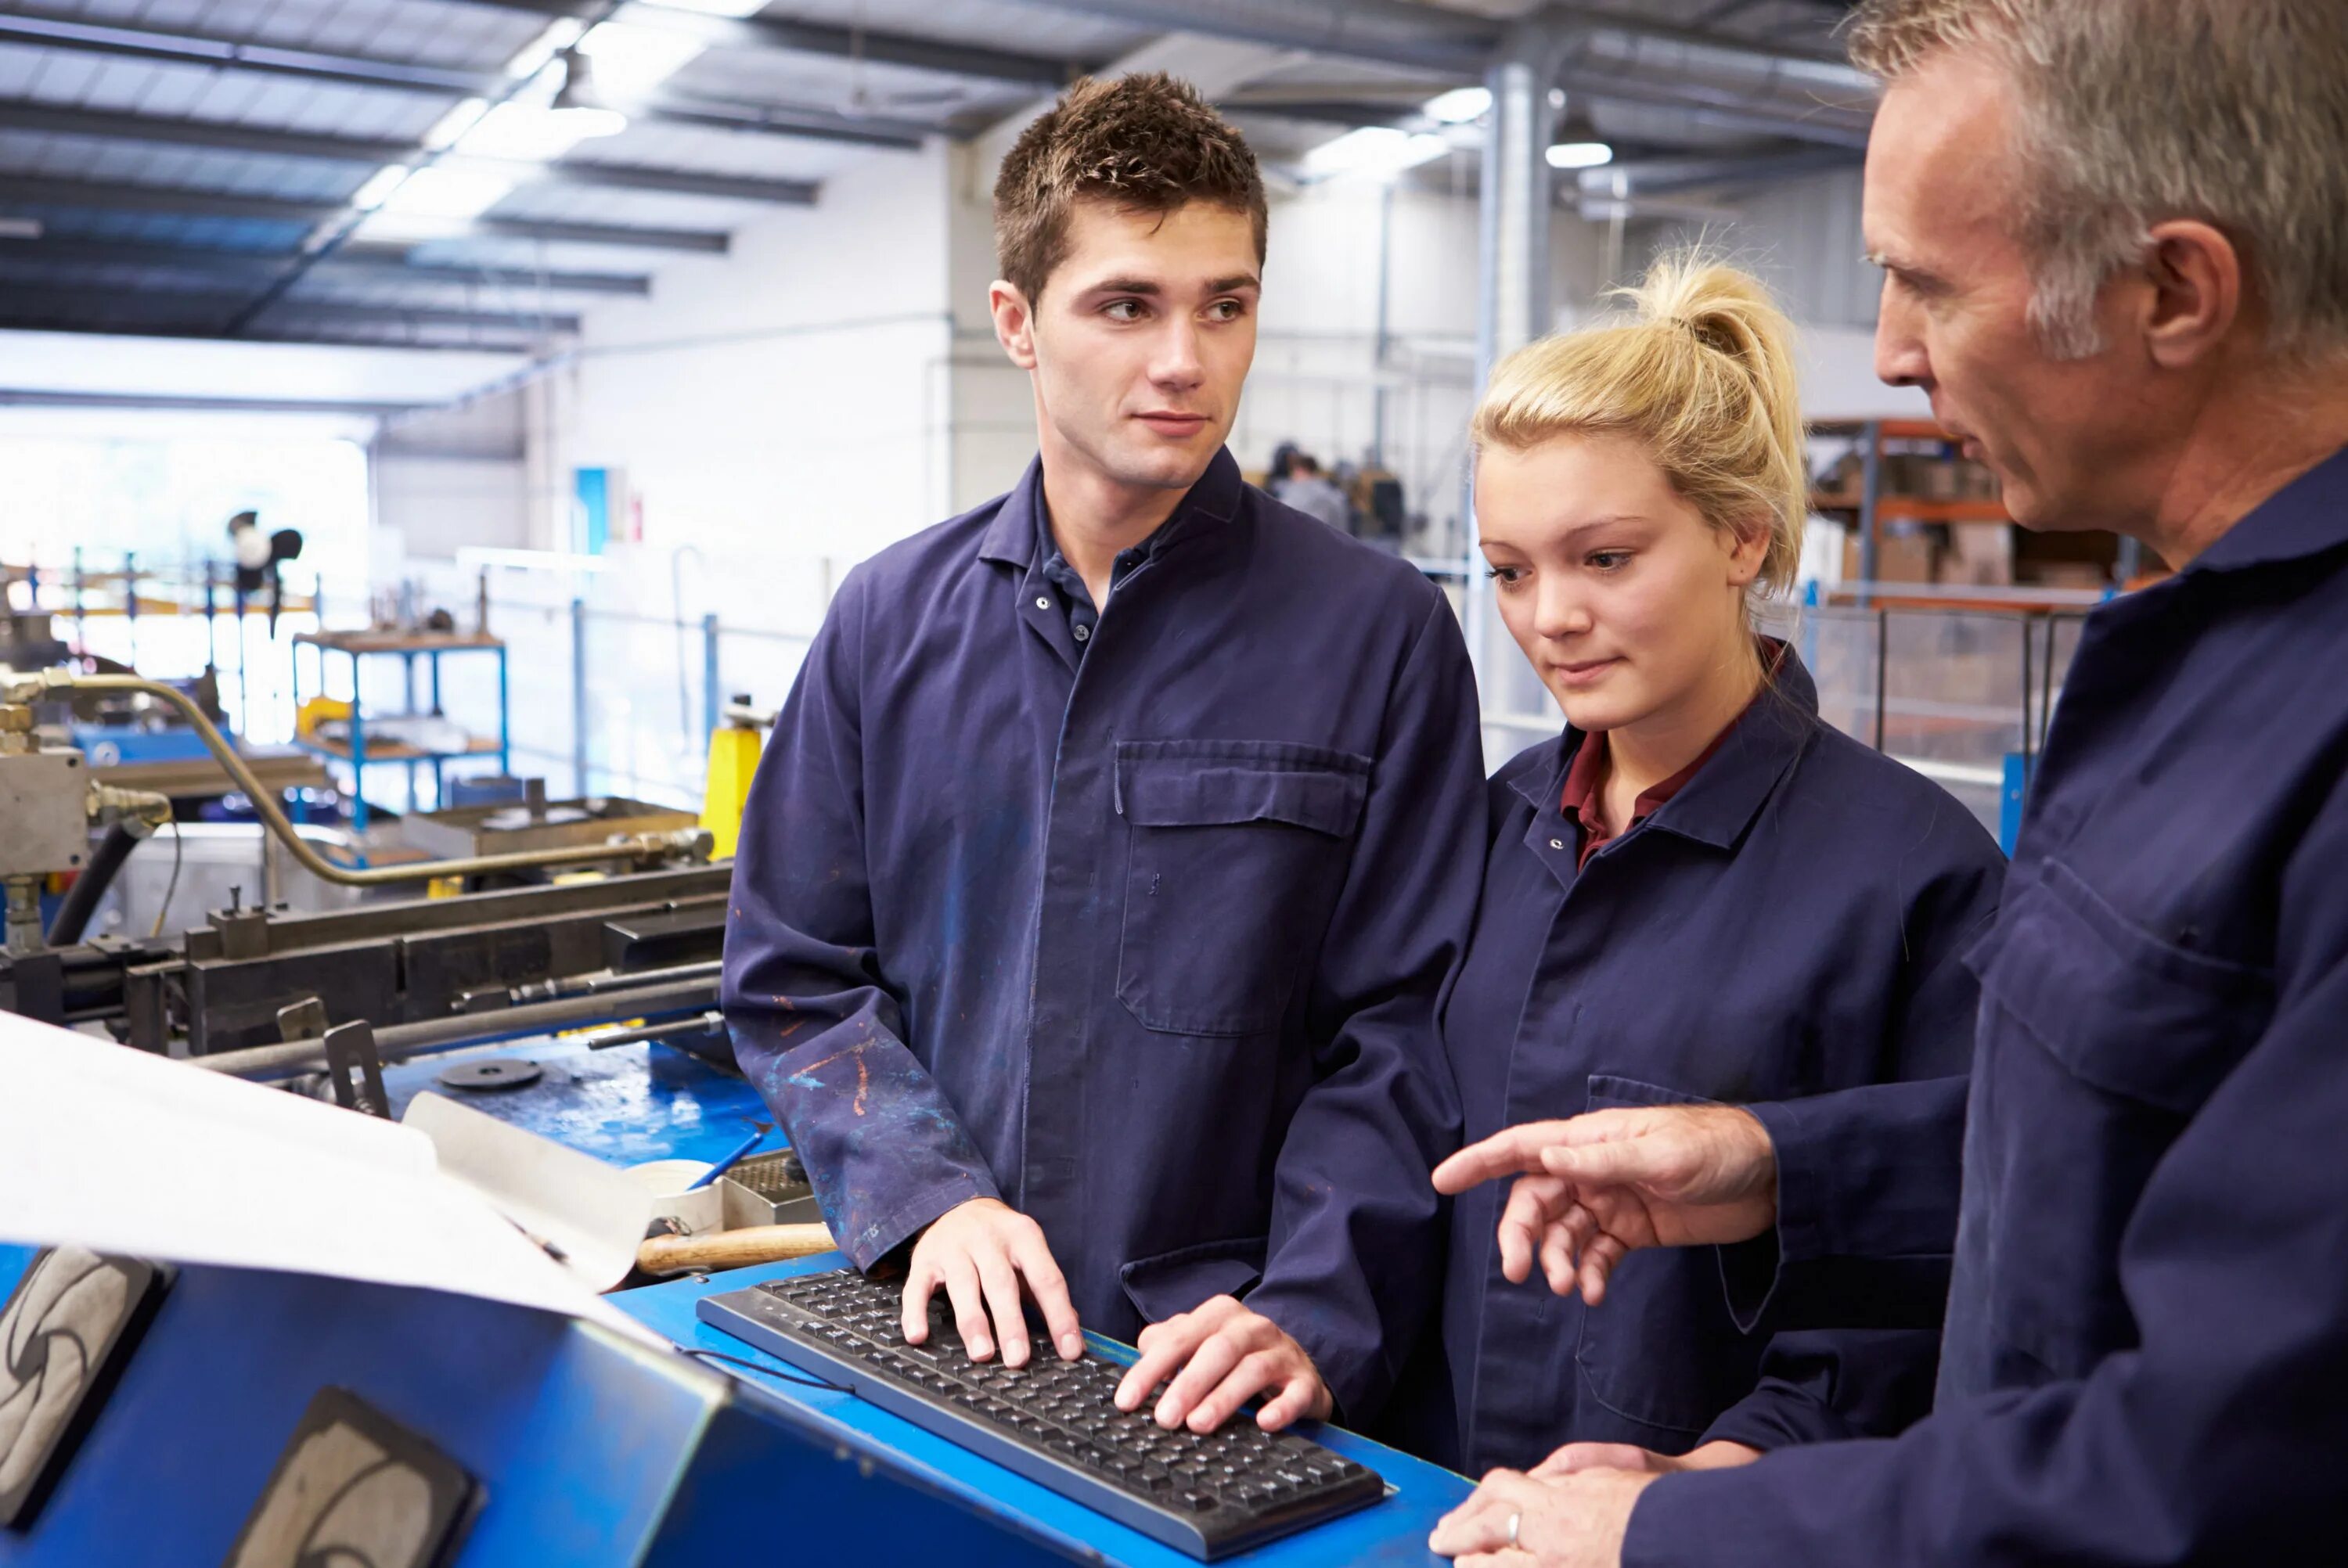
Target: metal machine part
454	964
534	822
496	1074
43	800
482	830
403	1041
631	848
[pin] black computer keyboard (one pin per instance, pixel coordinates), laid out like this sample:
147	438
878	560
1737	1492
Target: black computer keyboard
1053	1421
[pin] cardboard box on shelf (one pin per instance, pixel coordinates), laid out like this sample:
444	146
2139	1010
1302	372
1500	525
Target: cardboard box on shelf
1981	555
1899	558
2068	574
1977	482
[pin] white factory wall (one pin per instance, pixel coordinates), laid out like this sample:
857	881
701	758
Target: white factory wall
779	414
771	418
777	407
446	478
1317	379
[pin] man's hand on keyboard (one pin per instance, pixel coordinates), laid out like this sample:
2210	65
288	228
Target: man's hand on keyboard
979	1252
1227	1355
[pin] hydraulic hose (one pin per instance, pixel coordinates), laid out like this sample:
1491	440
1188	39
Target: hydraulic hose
632	846
81	899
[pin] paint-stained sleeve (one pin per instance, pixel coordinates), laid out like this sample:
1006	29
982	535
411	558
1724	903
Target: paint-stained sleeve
1355	1256
815	1022
2214	1438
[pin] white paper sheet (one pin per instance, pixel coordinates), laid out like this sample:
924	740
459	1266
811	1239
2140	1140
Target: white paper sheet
123	1152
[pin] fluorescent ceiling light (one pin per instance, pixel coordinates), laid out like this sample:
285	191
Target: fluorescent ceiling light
631	61
442	191
559	35
1580	154
528	133
380	187
719	7
455	124
1458	106
1374	150
20	228
406	228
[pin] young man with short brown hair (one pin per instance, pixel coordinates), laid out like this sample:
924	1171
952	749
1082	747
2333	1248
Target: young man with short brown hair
1097	886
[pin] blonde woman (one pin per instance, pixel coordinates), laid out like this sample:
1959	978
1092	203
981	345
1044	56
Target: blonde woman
1698	893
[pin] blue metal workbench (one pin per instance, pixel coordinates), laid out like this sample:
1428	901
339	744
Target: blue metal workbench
592	1452
1391	1531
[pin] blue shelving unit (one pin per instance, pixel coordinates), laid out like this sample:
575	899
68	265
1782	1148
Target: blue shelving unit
409	648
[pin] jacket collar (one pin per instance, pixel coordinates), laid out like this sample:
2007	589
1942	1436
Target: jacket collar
1019	525
1720	803
2306	517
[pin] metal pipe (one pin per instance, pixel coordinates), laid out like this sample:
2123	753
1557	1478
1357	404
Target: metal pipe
707	1023
1515	205
598	984
401	1040
634	847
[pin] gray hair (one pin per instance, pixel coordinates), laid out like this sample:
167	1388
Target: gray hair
2234	112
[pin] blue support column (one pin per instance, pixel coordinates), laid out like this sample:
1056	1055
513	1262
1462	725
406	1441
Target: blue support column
2010	800
359	753
709	703
130	602
440	789
1870	495
407	699
578	696
505	720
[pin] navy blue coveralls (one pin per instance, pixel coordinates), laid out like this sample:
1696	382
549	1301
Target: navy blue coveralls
1141	934
2146	1354
1790	923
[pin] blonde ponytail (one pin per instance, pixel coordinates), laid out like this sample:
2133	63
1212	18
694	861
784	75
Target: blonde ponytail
1703	375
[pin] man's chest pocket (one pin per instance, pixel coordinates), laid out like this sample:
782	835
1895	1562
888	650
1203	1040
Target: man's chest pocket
2117	1006
2100	1041
1236	851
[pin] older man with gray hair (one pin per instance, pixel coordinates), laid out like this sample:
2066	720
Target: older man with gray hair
2116	241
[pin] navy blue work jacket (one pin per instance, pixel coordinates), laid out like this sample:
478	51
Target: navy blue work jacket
1791	923
1146	943
2146	1354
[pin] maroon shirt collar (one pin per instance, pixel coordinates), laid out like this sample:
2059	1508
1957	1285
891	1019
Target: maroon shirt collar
1579	800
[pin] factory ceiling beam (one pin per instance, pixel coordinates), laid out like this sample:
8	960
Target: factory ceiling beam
785	35
99	196
1665	176
201	308
352	263
1784	84
33	321
180	131
187	45
1383	32
15	398
1819	126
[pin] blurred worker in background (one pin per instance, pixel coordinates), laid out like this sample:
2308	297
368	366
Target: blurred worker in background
1310	491
2116	241
1099	880
1699	893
